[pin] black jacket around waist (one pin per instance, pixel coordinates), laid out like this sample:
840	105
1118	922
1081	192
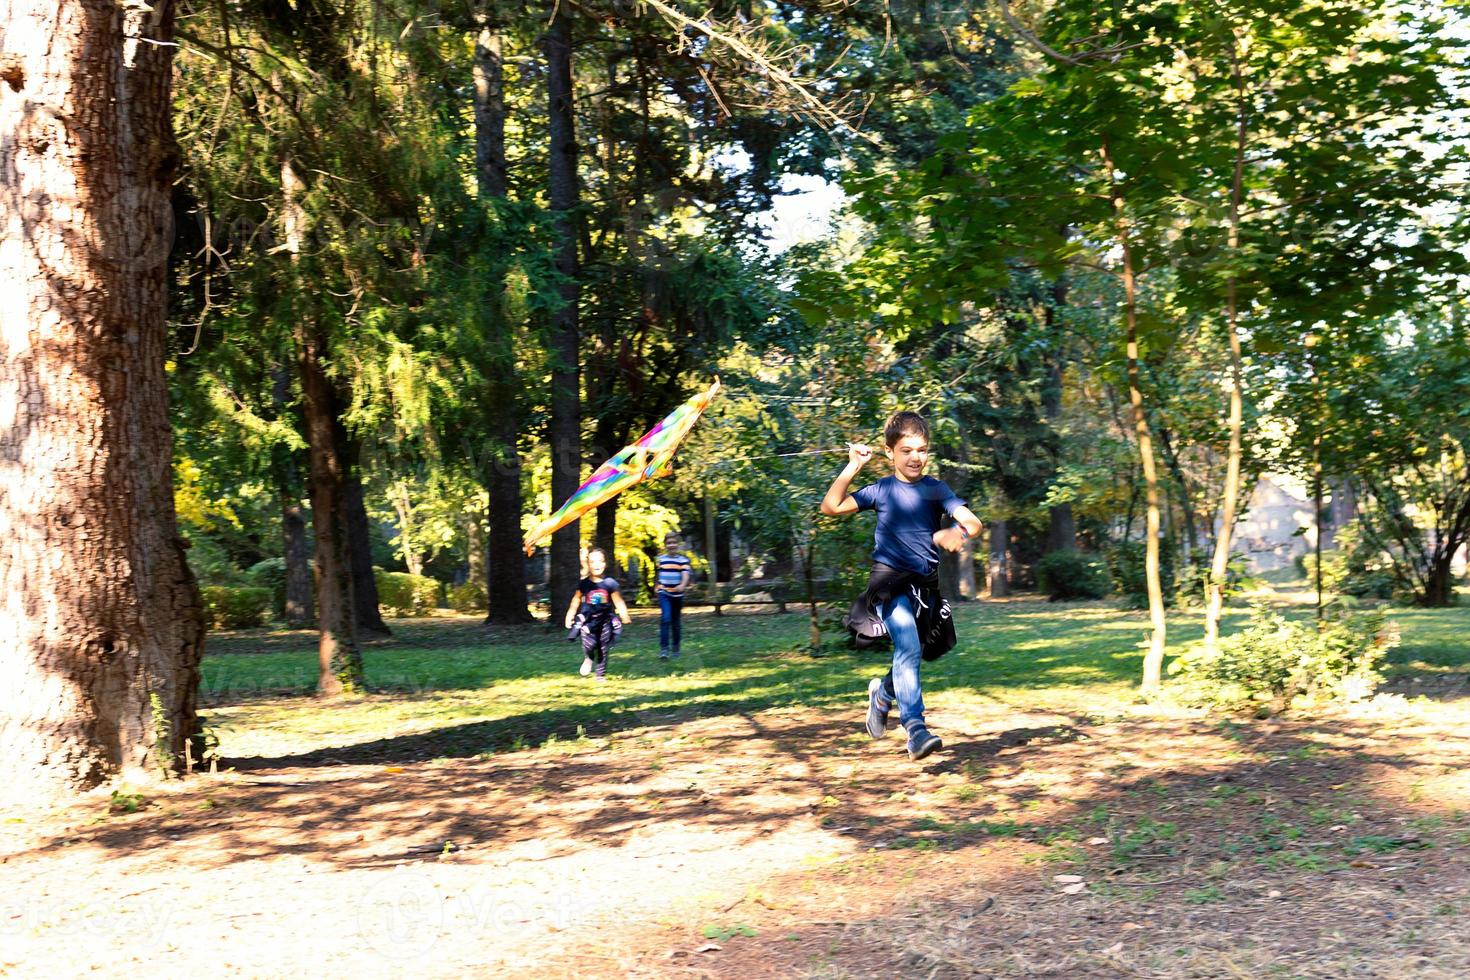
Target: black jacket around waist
931	610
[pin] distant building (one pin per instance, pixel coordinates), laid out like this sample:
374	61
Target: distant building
1277	524
1269	534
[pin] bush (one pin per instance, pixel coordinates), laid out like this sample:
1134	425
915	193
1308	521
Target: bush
468	597
270	574
209	561
1275	663
1072	575
1194	577
1126	564
1353	573
232	608
402	594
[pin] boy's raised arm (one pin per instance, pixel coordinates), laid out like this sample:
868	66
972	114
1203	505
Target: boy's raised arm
838	501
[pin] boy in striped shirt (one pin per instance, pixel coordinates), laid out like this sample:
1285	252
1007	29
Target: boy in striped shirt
674	574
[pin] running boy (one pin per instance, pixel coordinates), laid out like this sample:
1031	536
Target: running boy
595	601
674	573
903	587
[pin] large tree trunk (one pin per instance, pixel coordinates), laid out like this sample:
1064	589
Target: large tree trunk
507	562
965	585
101	626
1153	660
339	661
606	534
299	611
566	414
722	567
1000	565
359	539
506	574
1062	533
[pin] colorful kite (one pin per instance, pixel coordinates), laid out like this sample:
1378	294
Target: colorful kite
648	458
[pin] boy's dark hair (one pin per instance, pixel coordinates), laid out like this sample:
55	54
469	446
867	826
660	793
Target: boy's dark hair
904	424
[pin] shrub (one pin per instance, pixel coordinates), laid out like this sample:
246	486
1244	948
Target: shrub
1126	563
1275	663
209	561
1355	573
232	608
1072	575
1192	580
402	594
469	597
270	574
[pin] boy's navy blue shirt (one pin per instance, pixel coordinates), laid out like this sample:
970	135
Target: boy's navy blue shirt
908	516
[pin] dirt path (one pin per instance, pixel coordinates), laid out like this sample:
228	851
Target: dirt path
785	843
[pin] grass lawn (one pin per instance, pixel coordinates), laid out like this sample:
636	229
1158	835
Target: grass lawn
488	812
467	691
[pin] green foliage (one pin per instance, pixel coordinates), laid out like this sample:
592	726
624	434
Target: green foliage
1072	575
1126	564
402	594
469	597
1194	578
124	802
1276	663
236	607
270	574
211	563
1347	573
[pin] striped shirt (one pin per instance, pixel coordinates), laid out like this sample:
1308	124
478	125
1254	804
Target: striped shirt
671	569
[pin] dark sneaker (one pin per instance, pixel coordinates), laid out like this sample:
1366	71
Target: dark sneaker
877	714
675	653
663	655
923	742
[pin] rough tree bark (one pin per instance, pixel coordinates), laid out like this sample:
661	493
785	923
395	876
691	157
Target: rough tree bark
505	576
566	408
359	534
1062	532
1000	566
339	661
101	626
300	605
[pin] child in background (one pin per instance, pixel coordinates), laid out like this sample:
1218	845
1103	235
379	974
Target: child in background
902	598
674	574
599	606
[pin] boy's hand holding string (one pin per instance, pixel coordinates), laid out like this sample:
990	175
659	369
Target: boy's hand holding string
838	501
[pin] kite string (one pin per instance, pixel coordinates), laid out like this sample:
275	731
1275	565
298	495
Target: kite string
746	459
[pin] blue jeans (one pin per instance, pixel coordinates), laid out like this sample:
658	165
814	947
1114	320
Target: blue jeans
670	608
902	682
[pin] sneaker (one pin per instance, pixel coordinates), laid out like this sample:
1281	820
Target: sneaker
923	742
602	677
877	713
674	653
663	655
586	666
